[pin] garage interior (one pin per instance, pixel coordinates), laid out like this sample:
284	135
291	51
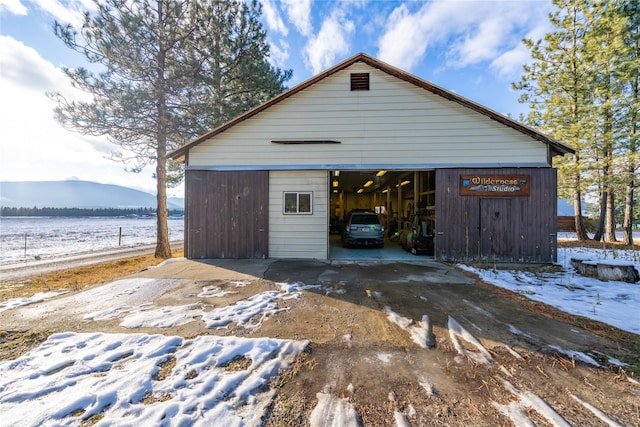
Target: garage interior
405	202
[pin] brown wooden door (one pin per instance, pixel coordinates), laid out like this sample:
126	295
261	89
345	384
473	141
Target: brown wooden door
496	228
227	214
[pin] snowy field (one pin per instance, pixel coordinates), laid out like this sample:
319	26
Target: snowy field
215	380
55	236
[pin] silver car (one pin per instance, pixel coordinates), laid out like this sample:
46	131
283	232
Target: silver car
363	228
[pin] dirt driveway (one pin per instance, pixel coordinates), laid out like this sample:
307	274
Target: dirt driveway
393	344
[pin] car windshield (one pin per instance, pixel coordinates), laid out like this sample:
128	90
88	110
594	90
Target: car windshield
365	219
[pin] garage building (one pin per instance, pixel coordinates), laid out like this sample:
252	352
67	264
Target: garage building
448	177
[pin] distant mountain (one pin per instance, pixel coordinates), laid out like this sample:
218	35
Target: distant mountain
76	194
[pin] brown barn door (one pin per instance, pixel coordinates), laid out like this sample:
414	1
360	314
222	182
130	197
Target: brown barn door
496	228
227	215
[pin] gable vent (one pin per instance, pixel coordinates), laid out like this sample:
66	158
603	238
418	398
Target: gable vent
360	81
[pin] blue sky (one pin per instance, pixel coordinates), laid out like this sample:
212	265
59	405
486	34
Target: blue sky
473	48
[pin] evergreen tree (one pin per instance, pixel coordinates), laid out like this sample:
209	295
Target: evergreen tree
555	87
582	88
630	71
169	70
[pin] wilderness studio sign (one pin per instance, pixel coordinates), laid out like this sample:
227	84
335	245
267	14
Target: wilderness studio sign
494	185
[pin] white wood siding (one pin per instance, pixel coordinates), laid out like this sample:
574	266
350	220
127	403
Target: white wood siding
394	123
298	236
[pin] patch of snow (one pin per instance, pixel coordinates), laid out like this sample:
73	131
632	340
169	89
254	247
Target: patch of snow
455	331
401	419
412	411
124	292
515	412
612	302
420	331
248	313
166	262
577	355
384	357
161	317
333	412
72	377
427	386
240	283
612	360
530	400
21	302
597	412
349	339
213	292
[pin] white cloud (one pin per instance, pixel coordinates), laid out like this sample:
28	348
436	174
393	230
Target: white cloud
279	53
33	145
13	6
299	13
70	12
471	32
509	63
272	15
332	40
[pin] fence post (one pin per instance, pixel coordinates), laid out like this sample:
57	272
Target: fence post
120	237
25	245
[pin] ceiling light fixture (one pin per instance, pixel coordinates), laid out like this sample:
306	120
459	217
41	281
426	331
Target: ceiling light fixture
360	190
381	173
368	183
336	183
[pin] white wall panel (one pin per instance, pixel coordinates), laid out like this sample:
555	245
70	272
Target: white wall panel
394	123
298	236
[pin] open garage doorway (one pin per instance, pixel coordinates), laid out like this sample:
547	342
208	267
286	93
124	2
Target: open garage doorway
404	201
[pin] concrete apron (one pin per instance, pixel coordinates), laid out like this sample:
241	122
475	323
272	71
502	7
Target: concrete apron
310	271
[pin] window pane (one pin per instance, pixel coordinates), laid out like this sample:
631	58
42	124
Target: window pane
290	202
305	203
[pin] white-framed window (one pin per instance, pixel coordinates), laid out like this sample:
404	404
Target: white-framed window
298	203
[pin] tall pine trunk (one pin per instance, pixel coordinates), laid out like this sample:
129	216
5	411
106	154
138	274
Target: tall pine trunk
581	233
163	248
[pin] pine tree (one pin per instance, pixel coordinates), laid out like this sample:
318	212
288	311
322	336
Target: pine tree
555	87
167	71
631	74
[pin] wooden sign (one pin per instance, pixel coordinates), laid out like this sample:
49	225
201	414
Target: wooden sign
494	185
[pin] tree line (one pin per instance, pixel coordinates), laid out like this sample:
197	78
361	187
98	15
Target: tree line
583	89
80	212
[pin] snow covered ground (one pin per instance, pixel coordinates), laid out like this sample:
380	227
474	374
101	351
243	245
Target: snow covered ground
143	379
614	303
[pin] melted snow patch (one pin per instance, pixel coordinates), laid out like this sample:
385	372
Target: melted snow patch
456	331
115	375
577	355
333	412
420	332
19	302
530	400
597	412
401	419
214	292
515	412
